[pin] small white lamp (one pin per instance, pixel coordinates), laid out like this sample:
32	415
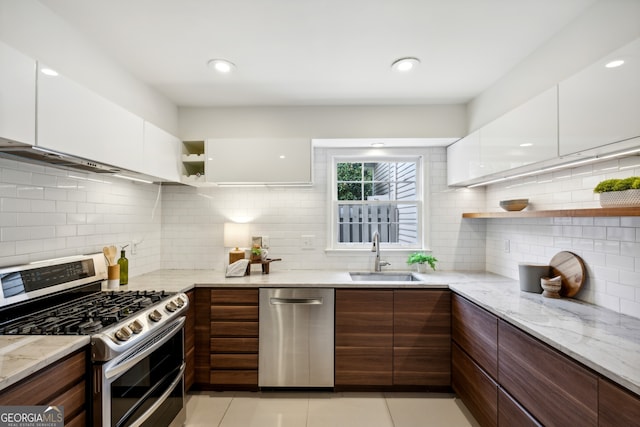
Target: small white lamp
236	235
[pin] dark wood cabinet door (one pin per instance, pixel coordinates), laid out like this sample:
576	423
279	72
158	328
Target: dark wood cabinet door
190	342
202	338
422	337
364	337
476	332
510	413
60	384
617	406
553	388
478	391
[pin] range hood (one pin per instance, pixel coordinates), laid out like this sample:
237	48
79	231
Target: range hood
31	154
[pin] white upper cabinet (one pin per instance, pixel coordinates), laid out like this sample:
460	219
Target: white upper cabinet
601	105
76	121
463	159
161	153
259	161
528	134
524	136
17	96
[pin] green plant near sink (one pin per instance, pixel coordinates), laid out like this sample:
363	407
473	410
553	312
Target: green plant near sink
422	258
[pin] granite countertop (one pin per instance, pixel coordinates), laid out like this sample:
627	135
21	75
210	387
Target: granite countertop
605	341
22	355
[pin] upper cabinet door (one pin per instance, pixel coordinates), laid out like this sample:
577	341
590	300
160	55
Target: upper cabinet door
463	159
528	134
161	151
601	105
76	121
284	161
17	96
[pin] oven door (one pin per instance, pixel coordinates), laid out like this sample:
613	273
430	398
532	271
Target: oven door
143	386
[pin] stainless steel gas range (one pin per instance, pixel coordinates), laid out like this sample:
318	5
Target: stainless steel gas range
137	354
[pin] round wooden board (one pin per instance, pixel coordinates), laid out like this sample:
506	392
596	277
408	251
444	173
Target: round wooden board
571	268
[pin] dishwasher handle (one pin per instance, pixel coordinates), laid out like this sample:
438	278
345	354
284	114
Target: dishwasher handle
296	301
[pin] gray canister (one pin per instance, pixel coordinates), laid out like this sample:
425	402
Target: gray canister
530	275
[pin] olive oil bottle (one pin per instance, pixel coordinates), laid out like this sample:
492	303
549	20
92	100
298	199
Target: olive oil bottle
123	262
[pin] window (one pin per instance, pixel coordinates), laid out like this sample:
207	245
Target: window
376	194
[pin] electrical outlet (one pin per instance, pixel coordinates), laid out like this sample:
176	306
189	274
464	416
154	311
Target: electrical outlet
507	246
265	242
307	241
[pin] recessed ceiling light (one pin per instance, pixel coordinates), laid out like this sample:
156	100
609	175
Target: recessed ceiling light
526	144
282	156
48	71
405	64
221	65
615	63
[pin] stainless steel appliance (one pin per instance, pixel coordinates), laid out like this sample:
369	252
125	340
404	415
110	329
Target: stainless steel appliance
296	337
137	349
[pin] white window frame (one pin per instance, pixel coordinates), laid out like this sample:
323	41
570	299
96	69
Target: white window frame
336	156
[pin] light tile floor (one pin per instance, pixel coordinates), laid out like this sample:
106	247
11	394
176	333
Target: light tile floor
317	409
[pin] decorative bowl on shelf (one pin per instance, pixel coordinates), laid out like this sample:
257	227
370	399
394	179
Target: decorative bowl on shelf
514	205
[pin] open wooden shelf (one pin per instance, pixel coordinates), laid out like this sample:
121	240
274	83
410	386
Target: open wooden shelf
594	212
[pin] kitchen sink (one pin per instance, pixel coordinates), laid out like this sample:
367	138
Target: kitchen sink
383	277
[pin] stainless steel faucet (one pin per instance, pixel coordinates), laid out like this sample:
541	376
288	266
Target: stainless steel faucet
377	265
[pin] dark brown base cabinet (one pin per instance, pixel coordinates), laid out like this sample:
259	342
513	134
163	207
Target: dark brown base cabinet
534	384
475	387
392	338
61	384
190	343
617	406
226	355
554	389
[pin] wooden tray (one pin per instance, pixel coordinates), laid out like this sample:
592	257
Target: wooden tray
571	268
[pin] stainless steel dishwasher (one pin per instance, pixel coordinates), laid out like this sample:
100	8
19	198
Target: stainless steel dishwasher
296	337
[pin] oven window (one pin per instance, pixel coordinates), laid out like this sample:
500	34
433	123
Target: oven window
142	385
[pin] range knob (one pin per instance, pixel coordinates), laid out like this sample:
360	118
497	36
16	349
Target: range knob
179	302
136	327
123	334
171	306
155	316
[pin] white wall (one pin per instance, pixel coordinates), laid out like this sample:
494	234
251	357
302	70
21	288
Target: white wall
193	220
429	121
47	213
36	31
604	27
610	247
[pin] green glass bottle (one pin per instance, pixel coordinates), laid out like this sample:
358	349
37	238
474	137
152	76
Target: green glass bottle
123	262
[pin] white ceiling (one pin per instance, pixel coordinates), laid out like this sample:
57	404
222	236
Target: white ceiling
318	52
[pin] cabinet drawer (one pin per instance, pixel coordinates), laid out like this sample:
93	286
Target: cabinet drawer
475	330
364	318
554	389
617	406
476	389
234	345
234	377
422	366
421	318
234	312
510	413
234	361
364	366
234	296
234	329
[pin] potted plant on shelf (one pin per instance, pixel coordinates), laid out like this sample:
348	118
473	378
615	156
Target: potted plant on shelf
420	259
256	253
619	192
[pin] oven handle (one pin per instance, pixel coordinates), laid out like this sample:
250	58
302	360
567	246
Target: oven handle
138	422
129	359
